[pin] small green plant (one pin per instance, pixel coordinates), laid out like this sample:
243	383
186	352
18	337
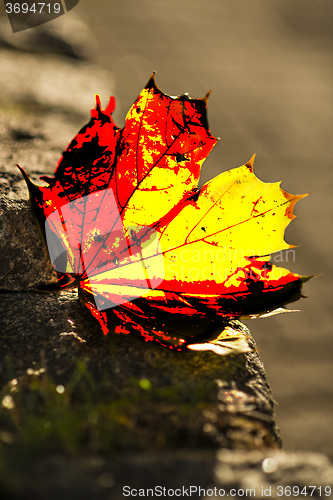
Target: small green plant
39	415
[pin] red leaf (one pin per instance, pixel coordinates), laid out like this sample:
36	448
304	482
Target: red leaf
125	222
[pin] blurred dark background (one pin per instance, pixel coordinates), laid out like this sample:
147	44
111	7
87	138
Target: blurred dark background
269	66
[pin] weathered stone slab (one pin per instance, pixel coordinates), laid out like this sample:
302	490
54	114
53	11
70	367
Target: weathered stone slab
83	415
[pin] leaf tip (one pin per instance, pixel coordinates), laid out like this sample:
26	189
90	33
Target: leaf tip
151	82
206	97
32	188
97	112
249	164
111	106
304	279
25	176
98	102
22	170
292	199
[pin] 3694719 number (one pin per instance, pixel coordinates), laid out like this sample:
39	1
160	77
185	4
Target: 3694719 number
305	491
35	8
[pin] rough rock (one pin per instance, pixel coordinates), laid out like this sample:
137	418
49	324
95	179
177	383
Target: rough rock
38	118
82	415
191	399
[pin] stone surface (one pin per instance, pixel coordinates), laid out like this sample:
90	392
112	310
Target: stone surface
193	399
131	413
68	36
274	474
207	400
197	474
38	118
24	262
155	399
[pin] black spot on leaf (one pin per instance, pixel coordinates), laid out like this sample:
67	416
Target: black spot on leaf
180	157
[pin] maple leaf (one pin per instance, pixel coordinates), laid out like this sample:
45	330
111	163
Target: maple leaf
151	253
